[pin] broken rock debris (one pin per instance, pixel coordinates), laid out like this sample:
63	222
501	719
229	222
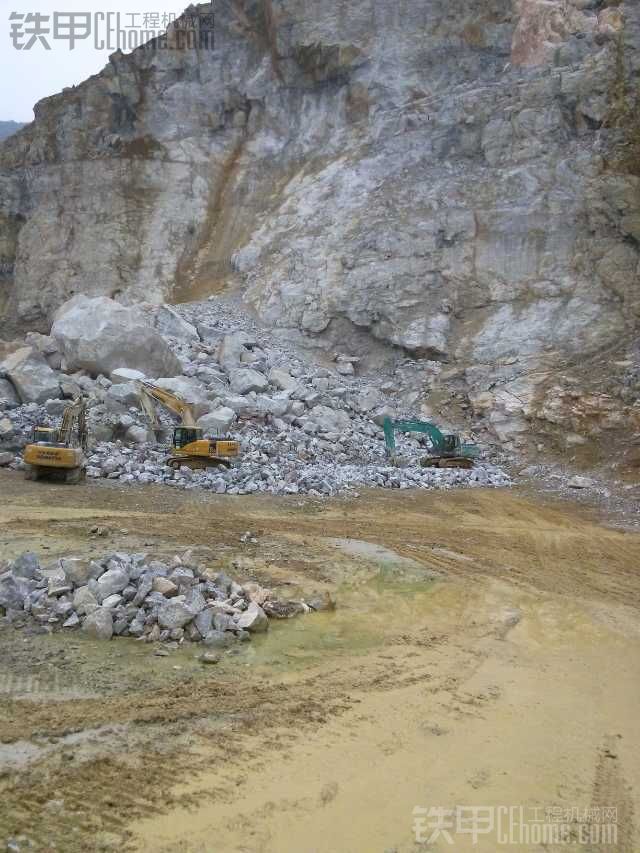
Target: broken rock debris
133	595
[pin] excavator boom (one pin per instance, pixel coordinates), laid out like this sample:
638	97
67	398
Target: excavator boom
391	427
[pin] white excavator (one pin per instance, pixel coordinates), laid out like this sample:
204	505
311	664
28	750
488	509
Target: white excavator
190	447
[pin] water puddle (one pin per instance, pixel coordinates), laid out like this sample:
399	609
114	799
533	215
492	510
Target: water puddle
369	610
387	559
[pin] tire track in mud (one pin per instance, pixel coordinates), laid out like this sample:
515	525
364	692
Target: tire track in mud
611	791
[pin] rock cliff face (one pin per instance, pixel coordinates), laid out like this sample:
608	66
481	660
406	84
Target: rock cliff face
459	183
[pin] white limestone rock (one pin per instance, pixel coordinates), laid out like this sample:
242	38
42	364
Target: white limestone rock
99	335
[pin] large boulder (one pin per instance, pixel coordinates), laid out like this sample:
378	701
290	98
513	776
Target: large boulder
31	376
246	379
368	400
218	421
100	335
232	347
330	420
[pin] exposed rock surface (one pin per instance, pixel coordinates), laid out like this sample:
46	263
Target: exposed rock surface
379	176
99	335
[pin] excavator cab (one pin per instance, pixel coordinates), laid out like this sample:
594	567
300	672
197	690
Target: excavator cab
45	435
182	436
450	445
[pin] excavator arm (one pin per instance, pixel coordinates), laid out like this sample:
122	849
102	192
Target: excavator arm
391	427
150	394
74	416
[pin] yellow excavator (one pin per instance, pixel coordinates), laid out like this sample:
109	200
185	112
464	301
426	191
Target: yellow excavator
59	454
189	445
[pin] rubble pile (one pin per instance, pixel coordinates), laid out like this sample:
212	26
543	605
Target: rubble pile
304	428
135	595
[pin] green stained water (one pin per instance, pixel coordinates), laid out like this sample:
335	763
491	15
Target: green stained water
366	616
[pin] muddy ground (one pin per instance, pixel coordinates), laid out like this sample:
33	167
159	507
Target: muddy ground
485	652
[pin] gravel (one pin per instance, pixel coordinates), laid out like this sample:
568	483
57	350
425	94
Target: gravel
304	428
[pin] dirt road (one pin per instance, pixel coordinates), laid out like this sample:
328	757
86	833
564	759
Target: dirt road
485	653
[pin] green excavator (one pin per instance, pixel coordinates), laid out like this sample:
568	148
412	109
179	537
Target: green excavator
447	451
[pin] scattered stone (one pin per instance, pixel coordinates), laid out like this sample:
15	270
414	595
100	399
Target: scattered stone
245	379
203	622
131	595
169	323
321	602
254	619
209	657
282	379
13	591
99	624
112	601
165	587
219	639
111	582
84	601
579	482
174	615
26	566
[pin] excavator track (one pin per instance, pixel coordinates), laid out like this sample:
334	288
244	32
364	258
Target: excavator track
444	462
198	462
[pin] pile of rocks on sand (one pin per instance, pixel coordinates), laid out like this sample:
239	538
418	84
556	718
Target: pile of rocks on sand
135	595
